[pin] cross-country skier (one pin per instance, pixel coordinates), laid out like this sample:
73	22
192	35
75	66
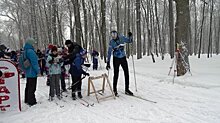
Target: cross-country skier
116	45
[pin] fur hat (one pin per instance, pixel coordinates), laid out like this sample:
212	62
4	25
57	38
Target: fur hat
68	42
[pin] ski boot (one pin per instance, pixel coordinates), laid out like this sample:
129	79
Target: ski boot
73	96
80	95
128	92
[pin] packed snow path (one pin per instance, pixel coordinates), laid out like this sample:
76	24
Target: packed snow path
191	99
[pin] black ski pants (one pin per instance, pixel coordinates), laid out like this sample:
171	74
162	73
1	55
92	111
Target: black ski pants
76	84
124	64
30	91
63	84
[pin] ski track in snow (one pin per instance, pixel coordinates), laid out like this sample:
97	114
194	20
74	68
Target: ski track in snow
190	99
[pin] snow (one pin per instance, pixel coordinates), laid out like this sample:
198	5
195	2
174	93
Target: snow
190	99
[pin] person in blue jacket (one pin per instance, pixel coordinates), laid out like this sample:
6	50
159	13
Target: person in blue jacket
95	62
76	72
31	72
116	46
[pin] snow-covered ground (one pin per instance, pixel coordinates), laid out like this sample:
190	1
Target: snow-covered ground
191	99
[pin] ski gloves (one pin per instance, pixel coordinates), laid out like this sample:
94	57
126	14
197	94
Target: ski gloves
86	74
108	66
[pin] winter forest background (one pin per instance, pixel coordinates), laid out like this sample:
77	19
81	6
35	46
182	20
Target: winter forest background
158	26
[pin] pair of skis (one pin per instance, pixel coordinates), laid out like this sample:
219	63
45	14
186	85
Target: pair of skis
141	98
84	102
80	100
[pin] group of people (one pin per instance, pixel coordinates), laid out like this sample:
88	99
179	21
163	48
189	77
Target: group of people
34	63
55	62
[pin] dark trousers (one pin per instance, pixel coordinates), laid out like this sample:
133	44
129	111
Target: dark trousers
63	84
116	64
95	63
30	91
55	85
76	84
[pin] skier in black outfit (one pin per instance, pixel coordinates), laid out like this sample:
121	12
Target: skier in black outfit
116	45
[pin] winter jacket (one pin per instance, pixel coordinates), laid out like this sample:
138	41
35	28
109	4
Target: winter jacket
114	45
95	55
33	70
75	66
72	50
54	64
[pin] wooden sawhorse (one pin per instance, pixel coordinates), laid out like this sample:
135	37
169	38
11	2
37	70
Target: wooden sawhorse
104	77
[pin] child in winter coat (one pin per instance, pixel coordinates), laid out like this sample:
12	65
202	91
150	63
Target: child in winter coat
76	73
54	64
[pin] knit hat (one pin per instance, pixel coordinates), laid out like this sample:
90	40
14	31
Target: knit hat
54	49
114	33
82	52
31	41
50	46
68	42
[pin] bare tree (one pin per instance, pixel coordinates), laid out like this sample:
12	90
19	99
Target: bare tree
85	22
171	28
201	30
103	28
78	26
210	29
138	16
182	35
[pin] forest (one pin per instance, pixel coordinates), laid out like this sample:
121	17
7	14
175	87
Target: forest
159	27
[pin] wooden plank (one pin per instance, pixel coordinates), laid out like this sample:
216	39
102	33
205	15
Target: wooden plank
103	85
89	81
106	97
95	91
97	77
110	85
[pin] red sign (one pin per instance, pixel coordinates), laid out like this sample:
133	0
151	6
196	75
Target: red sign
9	87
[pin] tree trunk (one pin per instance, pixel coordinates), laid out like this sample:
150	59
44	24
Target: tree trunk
182	35
210	29
201	30
163	45
54	21
128	52
158	27
118	15
85	23
218	35
195	29
138	22
78	26
103	28
34	21
171	28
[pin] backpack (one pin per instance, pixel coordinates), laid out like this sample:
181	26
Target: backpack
24	62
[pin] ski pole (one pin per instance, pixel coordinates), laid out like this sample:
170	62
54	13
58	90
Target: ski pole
79	80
